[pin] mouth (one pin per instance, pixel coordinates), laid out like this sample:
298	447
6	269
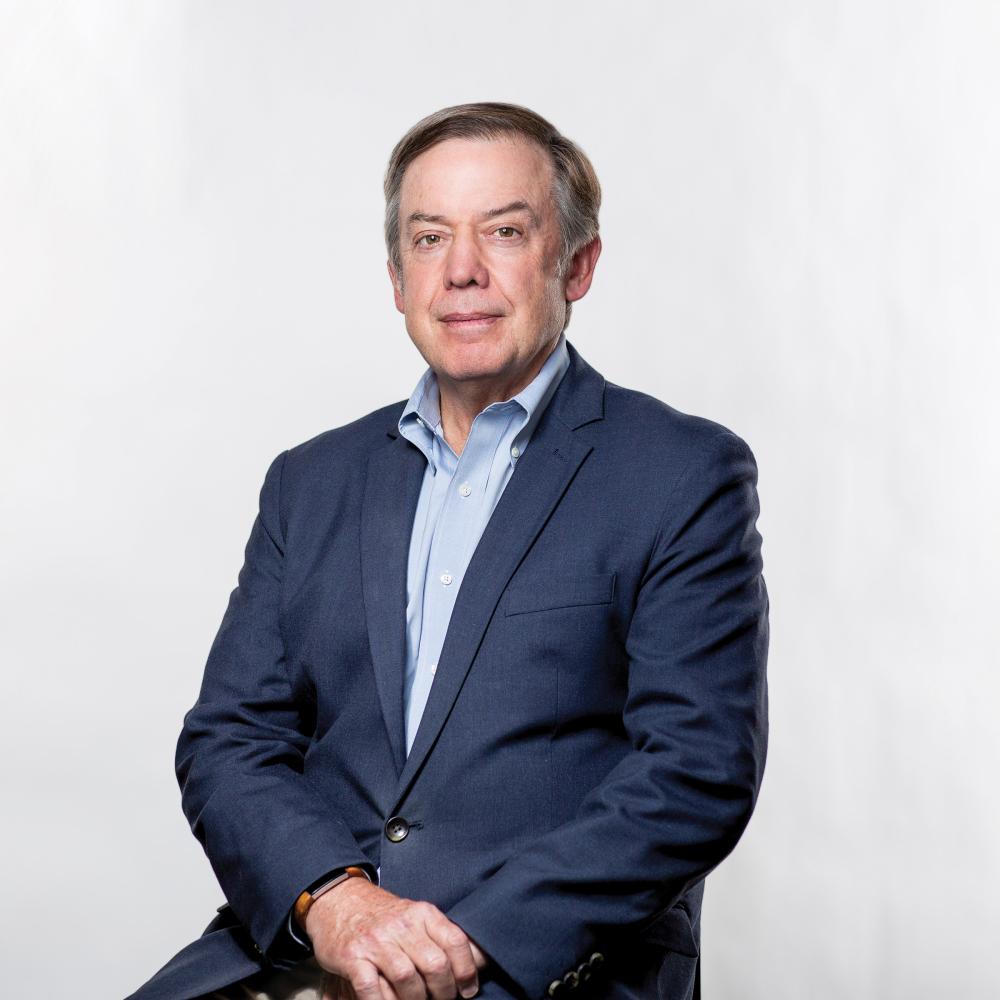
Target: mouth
469	321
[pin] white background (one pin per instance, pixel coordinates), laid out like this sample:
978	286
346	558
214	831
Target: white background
800	228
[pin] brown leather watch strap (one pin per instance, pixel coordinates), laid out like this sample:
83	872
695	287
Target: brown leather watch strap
307	898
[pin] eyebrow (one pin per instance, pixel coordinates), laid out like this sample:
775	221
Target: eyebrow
514	206
492	213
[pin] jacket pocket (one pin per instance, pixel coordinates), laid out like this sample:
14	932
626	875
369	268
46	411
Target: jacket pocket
549	593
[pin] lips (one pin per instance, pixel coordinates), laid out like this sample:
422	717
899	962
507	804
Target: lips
470	317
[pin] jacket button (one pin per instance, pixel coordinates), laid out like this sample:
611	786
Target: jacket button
571	980
556	989
596	961
396	829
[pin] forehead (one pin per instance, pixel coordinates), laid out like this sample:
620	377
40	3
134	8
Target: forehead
472	175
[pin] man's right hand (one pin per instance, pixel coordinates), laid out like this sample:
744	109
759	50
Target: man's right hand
387	947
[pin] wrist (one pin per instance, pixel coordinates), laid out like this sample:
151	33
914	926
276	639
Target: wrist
305	901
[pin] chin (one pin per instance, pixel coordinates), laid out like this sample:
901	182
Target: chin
468	361
470	372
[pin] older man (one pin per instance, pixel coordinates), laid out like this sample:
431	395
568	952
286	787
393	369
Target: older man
488	702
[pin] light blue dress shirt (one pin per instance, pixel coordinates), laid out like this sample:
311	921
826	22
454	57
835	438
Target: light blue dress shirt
457	497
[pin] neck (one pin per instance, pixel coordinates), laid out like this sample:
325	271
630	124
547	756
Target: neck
462	401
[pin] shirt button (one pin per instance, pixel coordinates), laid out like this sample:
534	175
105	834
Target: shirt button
465	489
434	669
446	578
515	452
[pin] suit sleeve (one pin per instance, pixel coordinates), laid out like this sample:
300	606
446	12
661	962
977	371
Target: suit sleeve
696	717
240	753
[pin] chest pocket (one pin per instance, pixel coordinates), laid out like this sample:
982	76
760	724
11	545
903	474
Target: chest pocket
550	592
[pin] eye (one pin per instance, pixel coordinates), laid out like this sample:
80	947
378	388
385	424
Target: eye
506	232
429	239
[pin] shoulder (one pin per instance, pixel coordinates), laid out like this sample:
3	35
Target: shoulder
647	431
691	470
349	443
335	455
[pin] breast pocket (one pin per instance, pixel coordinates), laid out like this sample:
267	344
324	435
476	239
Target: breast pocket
548	593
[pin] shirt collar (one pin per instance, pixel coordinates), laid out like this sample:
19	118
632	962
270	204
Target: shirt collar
421	416
534	397
424	403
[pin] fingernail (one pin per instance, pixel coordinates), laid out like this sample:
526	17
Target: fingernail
470	991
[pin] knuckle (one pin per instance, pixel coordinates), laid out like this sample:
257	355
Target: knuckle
435	962
363	978
454	936
401	972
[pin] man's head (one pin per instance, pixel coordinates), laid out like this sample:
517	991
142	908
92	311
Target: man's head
492	231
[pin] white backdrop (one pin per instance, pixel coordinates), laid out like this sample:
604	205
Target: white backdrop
800	228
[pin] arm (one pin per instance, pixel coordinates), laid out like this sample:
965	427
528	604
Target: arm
267	832
696	717
240	753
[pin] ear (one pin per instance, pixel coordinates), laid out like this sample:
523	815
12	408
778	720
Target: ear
397	285
581	270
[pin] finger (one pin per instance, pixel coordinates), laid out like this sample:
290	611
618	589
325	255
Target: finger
363	978
397	966
457	947
478	955
434	967
388	993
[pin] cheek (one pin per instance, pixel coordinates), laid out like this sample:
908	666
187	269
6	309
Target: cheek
526	288
543	297
418	293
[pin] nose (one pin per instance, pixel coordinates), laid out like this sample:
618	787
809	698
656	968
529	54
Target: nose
464	265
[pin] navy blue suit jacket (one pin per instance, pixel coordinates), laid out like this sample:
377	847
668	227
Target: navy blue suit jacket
595	735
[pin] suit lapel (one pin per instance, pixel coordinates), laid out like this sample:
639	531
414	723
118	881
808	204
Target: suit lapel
392	489
540	478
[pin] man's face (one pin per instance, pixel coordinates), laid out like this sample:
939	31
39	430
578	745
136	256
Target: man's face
479	245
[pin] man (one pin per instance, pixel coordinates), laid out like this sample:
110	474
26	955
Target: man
488	702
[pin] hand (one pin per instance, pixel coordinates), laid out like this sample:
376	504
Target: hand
382	947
